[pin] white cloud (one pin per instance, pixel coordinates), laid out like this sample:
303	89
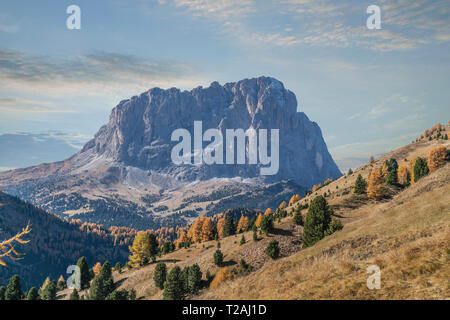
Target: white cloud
406	24
223	9
99	74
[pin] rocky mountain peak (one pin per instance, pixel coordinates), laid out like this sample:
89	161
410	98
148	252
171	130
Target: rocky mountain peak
138	133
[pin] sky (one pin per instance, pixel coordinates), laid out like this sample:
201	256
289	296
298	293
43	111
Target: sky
370	90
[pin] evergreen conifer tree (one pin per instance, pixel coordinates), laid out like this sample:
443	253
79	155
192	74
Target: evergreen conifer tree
317	221
173	287
33	294
85	275
160	275
360	185
13	289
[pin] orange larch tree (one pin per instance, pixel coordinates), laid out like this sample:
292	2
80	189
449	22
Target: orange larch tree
403	175
375	189
96	268
220	225
437	157
182	238
258	220
207	230
268	212
242	224
195	231
294	199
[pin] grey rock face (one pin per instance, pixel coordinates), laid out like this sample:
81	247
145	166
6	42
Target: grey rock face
139	130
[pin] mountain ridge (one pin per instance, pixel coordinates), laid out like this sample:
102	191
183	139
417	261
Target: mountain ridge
129	159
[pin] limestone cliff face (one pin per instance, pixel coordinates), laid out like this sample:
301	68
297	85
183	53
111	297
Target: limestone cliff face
138	133
125	175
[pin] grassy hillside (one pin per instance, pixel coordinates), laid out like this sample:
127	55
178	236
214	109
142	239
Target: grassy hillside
406	237
405	234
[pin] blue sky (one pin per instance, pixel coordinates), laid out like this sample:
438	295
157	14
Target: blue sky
369	90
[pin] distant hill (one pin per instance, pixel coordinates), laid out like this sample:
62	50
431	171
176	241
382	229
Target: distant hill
54	243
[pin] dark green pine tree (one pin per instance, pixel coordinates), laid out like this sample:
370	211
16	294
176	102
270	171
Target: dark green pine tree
118	295
229	228
298	220
173	287
360	185
420	169
273	250
61	285
160	275
218	258
2	293
33	294
50	291
267	224
242	240
317	221
194	279
118	267
255	236
103	283
13	289
85	274
184	279
153	245
350	171
391	178
74	295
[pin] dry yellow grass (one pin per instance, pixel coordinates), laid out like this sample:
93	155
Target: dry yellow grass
409	241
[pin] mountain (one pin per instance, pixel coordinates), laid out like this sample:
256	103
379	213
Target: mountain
53	245
405	234
126	174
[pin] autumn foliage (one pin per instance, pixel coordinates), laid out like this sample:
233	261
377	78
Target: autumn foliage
222	275
403	175
268	212
182	238
258	220
242	224
7	246
437	157
375	187
96	268
144	248
294	199
220	225
201	230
